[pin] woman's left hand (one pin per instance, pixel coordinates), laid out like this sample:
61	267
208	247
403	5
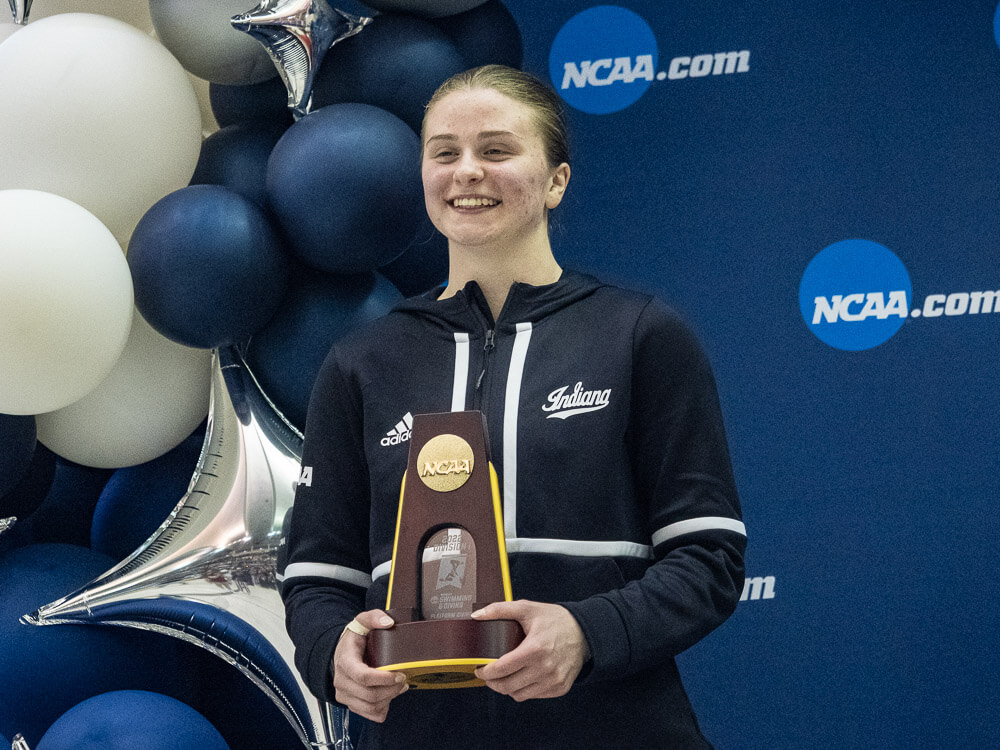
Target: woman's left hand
546	662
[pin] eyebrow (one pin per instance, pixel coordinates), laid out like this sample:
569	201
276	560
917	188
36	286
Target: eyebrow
486	134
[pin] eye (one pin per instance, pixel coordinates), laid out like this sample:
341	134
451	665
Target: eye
444	154
496	152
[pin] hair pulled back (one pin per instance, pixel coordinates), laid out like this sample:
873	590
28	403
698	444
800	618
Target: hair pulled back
544	103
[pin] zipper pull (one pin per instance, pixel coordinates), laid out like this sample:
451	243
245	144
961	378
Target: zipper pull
487	347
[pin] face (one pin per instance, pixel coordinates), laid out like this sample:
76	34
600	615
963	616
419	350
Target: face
486	178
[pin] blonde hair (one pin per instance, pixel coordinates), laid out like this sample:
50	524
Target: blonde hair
522	87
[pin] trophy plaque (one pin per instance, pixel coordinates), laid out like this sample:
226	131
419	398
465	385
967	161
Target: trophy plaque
448	560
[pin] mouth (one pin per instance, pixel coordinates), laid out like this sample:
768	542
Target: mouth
473	202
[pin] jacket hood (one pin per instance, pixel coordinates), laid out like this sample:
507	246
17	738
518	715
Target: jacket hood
525	303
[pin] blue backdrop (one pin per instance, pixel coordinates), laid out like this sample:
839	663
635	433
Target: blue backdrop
862	423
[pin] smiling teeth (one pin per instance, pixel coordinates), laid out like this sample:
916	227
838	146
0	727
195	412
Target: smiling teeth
473	202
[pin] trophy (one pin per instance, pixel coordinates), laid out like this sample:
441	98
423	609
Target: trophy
449	559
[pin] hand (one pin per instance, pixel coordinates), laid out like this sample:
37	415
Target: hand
546	662
364	690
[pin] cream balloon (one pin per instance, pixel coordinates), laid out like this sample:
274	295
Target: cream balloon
65	301
133	12
153	398
97	112
201	37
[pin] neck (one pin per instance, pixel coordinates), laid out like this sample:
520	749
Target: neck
495	269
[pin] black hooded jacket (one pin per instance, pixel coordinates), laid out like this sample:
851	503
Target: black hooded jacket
618	501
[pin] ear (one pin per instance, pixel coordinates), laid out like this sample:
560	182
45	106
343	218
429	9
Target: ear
557	186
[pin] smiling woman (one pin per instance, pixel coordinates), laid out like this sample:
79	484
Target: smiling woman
489	183
621	517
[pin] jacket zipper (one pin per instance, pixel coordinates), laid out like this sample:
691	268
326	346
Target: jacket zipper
488	347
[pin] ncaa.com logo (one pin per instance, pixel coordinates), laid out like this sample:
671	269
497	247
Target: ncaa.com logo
604	58
856	294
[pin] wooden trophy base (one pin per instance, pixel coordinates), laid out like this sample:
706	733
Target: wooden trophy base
436	654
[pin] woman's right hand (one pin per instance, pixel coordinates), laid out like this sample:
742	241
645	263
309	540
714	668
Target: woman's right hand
364	690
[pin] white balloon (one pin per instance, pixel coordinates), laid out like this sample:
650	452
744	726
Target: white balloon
154	397
97	112
425	8
202	38
65	301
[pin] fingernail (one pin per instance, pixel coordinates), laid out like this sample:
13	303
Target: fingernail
400	677
478	612
385	621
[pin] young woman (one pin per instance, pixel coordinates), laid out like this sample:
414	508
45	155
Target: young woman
620	511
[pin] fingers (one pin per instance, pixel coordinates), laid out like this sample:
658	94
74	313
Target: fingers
364	690
546	662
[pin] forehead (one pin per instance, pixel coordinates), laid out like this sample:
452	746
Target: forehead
475	110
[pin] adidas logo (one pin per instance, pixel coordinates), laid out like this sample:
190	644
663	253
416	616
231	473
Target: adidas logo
563	405
400	433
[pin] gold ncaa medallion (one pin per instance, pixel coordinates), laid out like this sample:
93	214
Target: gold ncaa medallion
445	462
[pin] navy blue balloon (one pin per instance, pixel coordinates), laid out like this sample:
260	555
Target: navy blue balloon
344	183
487	34
257	102
45	671
395	63
241	711
137	499
423	265
236	157
286	356
129	719
208	267
17	445
65	514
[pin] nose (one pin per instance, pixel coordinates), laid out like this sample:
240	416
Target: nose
468	170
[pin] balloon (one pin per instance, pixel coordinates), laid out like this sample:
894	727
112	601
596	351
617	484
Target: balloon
344	184
287	354
98	113
27	495
426	8
236	157
20	9
17	446
153	398
296	35
132	12
108	722
137	499
208	267
208	575
423	265
396	64
259	102
64	516
202	38
65	301
46	671
487	34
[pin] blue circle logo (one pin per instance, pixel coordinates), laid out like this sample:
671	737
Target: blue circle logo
603	59
855	295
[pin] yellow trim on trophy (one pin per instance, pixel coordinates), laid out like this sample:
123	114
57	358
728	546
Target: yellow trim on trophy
395	541
501	540
414	670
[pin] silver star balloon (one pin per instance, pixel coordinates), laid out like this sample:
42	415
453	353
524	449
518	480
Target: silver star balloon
208	575
20	9
297	35
6	523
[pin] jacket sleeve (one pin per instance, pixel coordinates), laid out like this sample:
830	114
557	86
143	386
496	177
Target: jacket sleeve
682	474
328	566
